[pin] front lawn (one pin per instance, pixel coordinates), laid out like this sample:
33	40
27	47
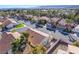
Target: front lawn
20	25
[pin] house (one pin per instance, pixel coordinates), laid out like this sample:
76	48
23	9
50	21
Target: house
7	22
56	46
41	22
61	47
76	29
75	36
40	18
55	19
35	18
44	18
29	16
5	41
70	50
62	23
35	37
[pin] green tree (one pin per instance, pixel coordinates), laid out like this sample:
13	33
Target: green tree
42	22
25	34
39	49
76	43
69	20
77	18
15	45
18	45
69	27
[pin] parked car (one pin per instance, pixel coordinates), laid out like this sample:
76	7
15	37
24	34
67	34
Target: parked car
39	25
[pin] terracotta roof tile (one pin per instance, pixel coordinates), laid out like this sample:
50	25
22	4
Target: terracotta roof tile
35	38
6	21
5	42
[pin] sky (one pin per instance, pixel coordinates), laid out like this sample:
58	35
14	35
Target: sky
35	3
39	2
17	6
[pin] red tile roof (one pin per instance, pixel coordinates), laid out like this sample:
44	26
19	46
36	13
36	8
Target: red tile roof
35	38
5	42
5	21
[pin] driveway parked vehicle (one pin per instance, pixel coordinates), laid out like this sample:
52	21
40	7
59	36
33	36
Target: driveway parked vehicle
39	25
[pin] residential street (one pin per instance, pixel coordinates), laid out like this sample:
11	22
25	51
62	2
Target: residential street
56	35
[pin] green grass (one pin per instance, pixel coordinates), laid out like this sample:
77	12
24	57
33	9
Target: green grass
20	25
